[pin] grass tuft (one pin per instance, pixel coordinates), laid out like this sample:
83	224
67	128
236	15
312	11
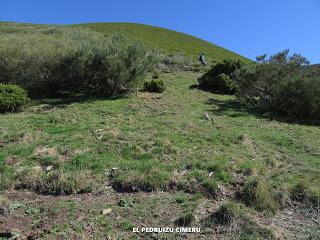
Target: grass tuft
227	212
56	182
304	192
131	181
185	219
254	231
256	193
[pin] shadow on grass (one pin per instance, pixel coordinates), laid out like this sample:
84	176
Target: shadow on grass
62	99
233	108
194	86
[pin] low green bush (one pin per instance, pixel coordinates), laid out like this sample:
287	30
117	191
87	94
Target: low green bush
219	78
154	86
12	98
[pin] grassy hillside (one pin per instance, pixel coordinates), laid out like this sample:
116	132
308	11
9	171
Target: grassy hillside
154	38
84	168
167	40
152	159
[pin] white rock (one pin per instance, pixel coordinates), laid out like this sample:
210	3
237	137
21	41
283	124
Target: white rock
106	211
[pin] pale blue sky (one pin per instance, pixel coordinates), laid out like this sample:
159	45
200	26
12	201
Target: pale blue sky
248	27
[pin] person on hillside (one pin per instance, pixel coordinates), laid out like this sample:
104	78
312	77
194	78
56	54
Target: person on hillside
202	59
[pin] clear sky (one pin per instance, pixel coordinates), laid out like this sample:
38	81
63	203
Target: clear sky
248	27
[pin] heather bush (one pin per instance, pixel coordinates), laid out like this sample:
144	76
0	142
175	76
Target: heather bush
219	78
154	86
12	98
45	62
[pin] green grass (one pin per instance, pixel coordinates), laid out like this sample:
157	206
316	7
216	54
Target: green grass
168	41
158	141
150	142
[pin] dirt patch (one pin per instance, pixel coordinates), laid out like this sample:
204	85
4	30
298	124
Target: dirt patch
298	223
148	96
45	151
11	161
29	137
245	139
82	151
81	216
42	109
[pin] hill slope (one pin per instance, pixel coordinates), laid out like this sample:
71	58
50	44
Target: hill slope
182	142
153	37
167	40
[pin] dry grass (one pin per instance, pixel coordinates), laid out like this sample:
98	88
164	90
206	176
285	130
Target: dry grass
56	182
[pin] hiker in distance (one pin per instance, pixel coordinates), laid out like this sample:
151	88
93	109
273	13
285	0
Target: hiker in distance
202	59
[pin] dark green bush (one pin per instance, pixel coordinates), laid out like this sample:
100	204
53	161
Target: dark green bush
73	60
298	96
154	86
219	78
282	84
12	98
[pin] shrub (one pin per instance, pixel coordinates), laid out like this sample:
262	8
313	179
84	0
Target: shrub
175	61
282	84
12	98
256	193
227	213
154	86
219	78
299	97
73	59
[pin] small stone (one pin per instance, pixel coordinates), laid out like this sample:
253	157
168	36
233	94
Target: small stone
114	169
48	168
106	211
